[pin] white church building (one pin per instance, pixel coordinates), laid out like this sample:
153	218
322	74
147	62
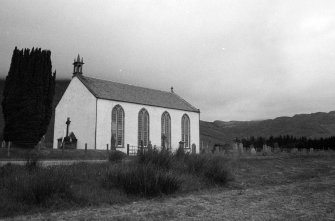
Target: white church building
98	112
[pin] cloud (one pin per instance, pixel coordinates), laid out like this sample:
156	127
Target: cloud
277	58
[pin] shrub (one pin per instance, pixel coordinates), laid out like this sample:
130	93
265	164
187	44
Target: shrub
116	156
180	153
40	185
216	171
32	160
6	170
196	163
142	179
162	159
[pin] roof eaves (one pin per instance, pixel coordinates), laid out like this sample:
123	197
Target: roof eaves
103	98
190	105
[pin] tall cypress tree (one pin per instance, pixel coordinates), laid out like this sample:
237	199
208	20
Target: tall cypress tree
27	97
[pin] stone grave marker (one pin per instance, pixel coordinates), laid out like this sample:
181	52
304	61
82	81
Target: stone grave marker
252	151
294	150
240	148
235	148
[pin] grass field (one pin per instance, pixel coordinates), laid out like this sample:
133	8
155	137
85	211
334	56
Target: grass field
283	188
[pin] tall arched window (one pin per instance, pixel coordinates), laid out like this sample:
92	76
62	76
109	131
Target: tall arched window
185	131
143	127
118	126
166	130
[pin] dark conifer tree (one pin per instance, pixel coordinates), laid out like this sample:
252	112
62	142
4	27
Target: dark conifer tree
27	97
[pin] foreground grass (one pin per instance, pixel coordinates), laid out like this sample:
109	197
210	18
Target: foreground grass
293	188
31	188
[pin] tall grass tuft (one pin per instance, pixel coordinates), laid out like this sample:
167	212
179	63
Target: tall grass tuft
32	160
116	156
196	163
162	159
216	171
142	179
39	185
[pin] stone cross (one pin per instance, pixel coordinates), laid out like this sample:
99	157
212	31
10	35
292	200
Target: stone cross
67	126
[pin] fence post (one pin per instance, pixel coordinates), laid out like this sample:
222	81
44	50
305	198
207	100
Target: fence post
62	149
127	149
107	147
85	148
8	153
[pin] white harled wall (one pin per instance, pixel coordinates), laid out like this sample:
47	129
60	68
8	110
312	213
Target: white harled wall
104	110
79	105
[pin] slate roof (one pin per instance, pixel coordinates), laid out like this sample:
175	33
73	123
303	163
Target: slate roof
109	90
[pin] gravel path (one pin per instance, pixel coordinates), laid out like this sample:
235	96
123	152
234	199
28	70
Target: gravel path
310	200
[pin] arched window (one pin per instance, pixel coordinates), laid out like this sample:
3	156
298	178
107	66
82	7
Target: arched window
185	131
118	126
143	127
166	130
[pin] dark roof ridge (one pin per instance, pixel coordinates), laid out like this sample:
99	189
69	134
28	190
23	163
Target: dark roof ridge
131	85
103	89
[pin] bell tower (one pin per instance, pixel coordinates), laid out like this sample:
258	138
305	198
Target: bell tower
78	66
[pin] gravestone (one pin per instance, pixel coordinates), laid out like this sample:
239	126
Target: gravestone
276	148
294	150
113	142
264	149
311	150
235	148
149	145
267	150
252	151
304	151
240	148
194	148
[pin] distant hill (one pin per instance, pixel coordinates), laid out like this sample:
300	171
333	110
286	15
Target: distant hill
313	125
309	125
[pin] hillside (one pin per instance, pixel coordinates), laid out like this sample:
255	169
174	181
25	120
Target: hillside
318	124
310	125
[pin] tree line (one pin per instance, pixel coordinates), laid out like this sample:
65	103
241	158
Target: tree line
289	141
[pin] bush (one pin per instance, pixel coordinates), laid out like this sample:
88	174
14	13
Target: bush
216	171
39	186
32	160
6	170
142	179
116	156
195	163
180	153
162	159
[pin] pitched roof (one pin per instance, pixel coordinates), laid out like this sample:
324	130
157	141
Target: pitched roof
109	90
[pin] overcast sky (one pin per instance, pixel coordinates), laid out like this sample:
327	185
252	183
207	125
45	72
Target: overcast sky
234	60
